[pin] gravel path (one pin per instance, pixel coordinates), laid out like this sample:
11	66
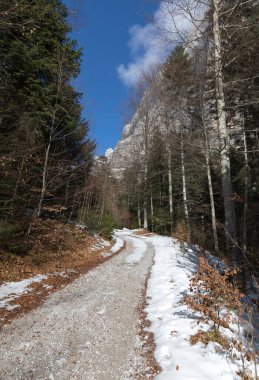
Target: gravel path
88	330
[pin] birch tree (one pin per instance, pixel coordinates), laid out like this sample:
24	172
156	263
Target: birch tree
194	12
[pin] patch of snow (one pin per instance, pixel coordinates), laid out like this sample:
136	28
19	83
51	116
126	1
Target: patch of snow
118	244
106	254
139	250
172	322
10	291
100	244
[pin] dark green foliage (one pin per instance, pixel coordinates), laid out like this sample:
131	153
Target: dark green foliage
107	226
11	238
39	108
104	224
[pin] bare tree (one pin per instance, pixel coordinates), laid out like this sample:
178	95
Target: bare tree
196	13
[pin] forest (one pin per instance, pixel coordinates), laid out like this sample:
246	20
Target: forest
46	155
153	248
193	166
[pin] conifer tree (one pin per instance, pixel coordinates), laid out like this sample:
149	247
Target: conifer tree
45	148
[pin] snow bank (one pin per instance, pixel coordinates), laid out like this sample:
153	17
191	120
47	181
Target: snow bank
10	291
119	243
172	323
139	246
139	250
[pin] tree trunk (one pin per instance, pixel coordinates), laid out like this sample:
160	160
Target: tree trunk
145	199
170	187
185	204
245	211
229	209
152	210
145	216
44	177
139	217
18	179
212	203
104	203
52	129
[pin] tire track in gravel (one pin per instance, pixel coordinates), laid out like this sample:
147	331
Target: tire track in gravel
88	330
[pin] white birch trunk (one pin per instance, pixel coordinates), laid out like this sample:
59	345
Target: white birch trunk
229	209
185	204
145	200
212	203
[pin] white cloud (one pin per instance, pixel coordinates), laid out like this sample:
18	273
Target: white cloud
147	49
150	44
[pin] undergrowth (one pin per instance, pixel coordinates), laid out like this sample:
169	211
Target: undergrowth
218	301
51	245
206	337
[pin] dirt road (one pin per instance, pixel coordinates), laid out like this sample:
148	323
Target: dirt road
88	330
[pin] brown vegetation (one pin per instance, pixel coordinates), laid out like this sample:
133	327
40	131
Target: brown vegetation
147	337
60	250
218	301
51	246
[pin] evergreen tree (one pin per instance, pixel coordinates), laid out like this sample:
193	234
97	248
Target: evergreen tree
45	149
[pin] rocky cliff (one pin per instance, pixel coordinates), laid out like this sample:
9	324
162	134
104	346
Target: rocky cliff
128	147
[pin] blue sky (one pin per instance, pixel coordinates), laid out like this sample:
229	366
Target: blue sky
117	40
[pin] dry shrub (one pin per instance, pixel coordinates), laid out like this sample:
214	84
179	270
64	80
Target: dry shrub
180	232
246	376
213	295
144	233
216	297
206	337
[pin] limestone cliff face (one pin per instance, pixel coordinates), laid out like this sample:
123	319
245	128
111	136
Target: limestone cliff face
135	135
120	157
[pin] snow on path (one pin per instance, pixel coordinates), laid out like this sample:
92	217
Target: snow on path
87	331
172	323
139	247
118	244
